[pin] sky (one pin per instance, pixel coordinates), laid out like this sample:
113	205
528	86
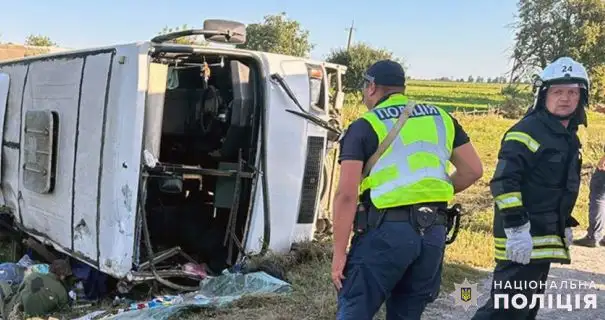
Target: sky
436	38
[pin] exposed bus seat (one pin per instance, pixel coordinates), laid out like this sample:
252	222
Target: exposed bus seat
240	106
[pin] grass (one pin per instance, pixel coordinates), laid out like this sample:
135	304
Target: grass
308	268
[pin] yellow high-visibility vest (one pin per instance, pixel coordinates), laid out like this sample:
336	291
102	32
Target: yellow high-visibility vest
414	168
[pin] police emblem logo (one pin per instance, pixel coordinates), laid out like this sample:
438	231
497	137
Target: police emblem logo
465	294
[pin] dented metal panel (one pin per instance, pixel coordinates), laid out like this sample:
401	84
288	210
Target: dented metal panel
88	154
121	158
99	99
38	171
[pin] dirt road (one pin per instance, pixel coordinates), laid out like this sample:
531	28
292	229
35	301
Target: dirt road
588	265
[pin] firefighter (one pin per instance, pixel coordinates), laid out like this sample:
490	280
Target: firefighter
535	187
395	256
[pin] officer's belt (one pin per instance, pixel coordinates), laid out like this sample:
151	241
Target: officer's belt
402	214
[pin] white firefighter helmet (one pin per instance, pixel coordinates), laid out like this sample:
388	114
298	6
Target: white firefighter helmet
564	70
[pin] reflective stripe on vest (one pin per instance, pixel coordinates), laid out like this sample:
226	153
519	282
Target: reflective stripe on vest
413	169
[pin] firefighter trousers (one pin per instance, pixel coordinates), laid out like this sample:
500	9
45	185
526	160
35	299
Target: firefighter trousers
508	275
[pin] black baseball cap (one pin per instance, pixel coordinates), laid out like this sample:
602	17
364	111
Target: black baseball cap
386	73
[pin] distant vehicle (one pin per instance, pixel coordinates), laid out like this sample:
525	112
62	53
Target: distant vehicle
212	152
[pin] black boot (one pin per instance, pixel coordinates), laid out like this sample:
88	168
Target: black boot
587	241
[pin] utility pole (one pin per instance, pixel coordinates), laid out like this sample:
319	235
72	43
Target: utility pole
350	34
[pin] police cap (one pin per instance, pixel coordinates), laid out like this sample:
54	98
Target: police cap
386	73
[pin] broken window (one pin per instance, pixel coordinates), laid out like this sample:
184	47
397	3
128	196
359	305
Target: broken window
40	150
317	88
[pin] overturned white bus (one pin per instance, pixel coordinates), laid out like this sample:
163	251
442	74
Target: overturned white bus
125	157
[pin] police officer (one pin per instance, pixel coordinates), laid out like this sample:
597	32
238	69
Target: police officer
535	187
394	258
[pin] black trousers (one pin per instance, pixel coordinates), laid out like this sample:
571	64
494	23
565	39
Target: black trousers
526	278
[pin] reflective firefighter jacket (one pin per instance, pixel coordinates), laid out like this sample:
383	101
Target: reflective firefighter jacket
537	179
413	169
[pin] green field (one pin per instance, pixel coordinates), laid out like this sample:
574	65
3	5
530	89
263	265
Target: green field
456	95
453	96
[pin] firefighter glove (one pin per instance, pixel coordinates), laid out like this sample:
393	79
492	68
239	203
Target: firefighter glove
568	237
519	244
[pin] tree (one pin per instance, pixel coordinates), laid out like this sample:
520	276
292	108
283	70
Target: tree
190	40
470	79
278	34
39	41
549	29
358	59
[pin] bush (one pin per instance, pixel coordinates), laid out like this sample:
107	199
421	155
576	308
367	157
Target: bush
597	91
517	100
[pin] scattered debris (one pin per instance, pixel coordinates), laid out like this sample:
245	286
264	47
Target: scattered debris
214	292
34	289
13	273
197	269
